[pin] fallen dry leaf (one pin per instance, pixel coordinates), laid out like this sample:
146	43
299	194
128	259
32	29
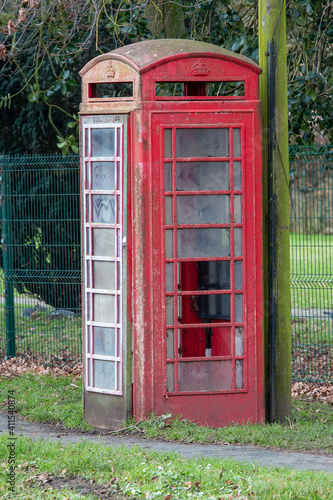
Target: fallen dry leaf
316	392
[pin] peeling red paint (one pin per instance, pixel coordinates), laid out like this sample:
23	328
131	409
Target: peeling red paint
194	64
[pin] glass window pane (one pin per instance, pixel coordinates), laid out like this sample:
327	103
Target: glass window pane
238	275
119	141
86	141
89	339
104	275
237	142
202	142
225	88
170	377
88	306
221	341
104	374
119	221
119	343
104	341
104	308
213	275
168	176
204	342
103	208
118	276
168	210
103	242
203	209
118	243
170	89
205	376
239	374
237	176
87	175
118	309
239	349
203	176
238	241
168	143
87	208
168	244
88	273
213	307
238	308
119	176
237	209
169	311
179	308
103	175
88	242
203	242
169	277
169	344
102	142
119	381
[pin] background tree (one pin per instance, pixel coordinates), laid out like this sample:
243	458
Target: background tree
44	44
310	62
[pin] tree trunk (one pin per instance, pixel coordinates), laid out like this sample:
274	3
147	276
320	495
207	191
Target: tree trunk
166	19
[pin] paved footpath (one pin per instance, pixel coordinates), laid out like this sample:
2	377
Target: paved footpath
250	454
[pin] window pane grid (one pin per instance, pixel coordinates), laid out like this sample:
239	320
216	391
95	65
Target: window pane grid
175	296
105	142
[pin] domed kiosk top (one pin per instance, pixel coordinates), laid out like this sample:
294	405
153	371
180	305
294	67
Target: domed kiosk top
146	55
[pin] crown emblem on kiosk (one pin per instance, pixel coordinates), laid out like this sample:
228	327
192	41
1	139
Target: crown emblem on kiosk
110	70
200	69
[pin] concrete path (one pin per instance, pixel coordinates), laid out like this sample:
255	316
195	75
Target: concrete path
250	454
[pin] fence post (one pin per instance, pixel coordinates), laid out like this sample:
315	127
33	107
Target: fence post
273	94
7	256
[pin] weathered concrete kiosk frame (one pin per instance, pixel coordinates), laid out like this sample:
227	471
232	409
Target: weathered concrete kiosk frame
172	234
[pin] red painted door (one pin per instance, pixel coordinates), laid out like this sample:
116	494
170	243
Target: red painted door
208	291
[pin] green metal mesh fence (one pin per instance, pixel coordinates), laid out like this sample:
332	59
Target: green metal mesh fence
40	280
40	310
311	239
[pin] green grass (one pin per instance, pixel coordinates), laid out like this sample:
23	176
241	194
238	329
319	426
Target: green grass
43	333
43	398
315	331
2	286
310	430
48	399
312	256
141	474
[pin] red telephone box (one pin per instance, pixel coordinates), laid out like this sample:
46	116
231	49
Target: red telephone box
172	234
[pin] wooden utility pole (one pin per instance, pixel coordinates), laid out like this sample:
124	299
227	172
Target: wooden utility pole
273	94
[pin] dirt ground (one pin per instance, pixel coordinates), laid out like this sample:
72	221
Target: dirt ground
82	486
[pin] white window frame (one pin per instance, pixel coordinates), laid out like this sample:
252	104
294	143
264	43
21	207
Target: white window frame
89	291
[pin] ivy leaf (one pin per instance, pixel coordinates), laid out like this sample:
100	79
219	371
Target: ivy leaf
313	94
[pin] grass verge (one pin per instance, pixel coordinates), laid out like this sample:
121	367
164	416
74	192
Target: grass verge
311	256
44	334
44	398
42	468
47	399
